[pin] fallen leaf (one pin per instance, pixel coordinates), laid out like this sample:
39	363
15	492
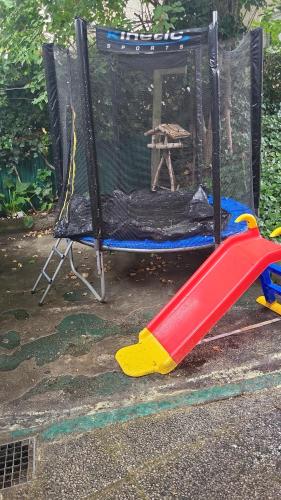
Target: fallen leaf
217	348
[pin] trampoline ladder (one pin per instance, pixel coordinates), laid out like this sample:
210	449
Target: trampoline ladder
62	255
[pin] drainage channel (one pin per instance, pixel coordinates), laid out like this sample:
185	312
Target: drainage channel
17	462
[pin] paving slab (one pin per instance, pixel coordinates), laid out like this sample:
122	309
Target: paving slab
226	450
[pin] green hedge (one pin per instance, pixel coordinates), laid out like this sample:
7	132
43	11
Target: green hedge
270	206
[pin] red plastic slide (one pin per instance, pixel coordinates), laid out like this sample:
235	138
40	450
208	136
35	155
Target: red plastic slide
200	303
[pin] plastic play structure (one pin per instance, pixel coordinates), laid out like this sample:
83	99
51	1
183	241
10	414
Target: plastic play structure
156	140
203	300
271	290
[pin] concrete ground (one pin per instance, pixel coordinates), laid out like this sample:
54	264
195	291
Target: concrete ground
101	434
228	450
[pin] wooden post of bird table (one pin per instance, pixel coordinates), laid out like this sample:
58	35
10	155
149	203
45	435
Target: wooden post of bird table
156	119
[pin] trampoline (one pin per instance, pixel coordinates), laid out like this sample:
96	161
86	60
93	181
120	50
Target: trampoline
156	139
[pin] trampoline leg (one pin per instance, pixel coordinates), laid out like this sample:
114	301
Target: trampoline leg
100	268
99	296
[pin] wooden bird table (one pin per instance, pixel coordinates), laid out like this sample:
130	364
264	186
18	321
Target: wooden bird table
170	135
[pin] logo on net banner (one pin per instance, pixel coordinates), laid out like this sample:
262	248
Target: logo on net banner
147	41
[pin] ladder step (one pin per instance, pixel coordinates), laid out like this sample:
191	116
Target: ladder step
47	277
60	254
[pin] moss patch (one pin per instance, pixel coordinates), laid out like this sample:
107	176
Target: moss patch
75	331
10	340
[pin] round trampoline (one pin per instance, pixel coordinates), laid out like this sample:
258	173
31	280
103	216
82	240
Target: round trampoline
151	149
156	140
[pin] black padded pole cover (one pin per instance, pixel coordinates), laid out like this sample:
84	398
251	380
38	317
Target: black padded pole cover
256	101
53	107
215	112
92	165
199	113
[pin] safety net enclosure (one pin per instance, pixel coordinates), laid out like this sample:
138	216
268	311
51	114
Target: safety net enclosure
156	137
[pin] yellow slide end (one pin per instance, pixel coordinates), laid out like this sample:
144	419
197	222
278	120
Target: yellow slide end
273	306
250	219
146	357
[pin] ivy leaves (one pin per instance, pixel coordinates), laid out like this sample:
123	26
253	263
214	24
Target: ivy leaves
26	196
165	16
271	172
25	25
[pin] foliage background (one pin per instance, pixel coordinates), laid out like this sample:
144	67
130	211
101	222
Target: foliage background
26	24
270	204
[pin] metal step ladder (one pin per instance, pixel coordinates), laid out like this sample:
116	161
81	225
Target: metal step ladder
62	254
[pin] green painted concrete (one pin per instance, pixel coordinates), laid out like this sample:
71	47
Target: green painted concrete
74	335
89	422
9	340
18	314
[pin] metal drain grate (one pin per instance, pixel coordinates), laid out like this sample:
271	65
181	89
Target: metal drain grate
17	462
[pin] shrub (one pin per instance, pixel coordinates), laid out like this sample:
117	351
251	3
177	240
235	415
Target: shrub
27	196
270	206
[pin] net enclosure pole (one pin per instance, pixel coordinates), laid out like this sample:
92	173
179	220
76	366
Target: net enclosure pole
199	114
88	122
215	115
256	102
54	114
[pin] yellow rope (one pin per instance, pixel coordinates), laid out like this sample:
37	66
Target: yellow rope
72	169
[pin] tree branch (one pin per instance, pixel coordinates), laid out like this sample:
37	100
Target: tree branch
48	163
142	22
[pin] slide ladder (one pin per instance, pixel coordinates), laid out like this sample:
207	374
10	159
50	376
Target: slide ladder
271	290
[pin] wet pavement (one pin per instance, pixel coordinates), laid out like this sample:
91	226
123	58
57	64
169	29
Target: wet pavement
57	365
